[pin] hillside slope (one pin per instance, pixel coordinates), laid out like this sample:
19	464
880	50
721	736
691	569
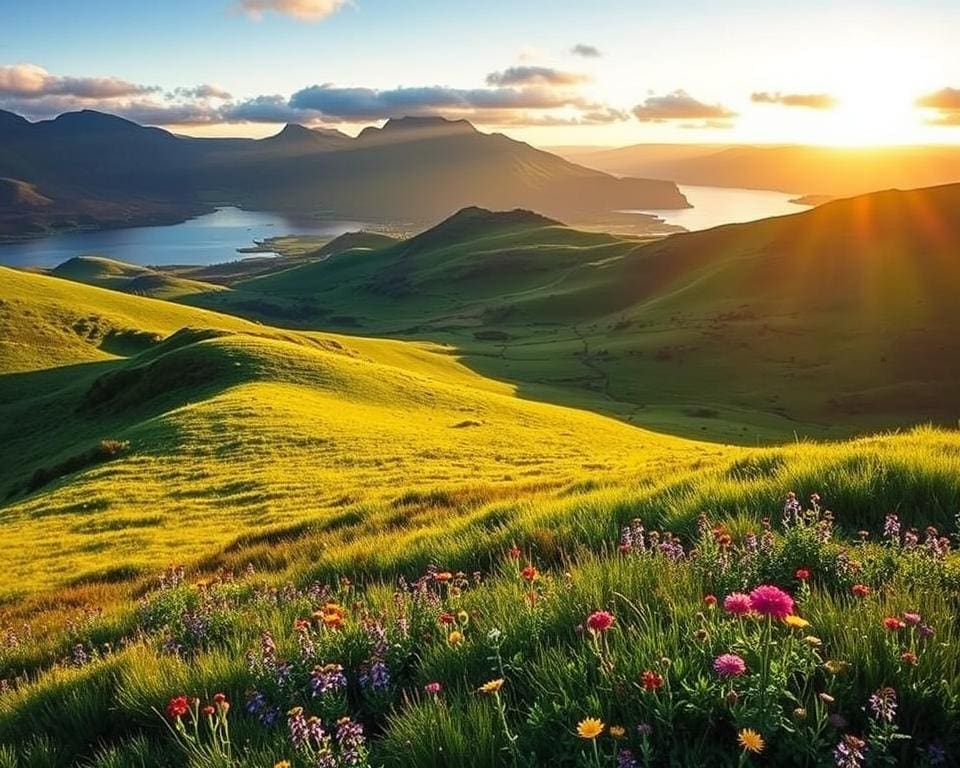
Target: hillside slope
234	428
834	320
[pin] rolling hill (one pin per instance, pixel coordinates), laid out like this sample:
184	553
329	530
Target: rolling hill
836	171
97	169
826	322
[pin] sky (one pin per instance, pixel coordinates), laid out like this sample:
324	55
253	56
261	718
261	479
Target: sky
605	72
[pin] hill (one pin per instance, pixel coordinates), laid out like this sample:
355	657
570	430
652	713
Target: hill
830	321
309	417
98	169
835	171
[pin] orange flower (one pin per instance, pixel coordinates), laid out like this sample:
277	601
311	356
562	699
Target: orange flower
529	573
443	576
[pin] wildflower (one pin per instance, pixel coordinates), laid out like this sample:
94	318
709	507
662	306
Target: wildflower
913	619
617	731
729	665
529	573
813	641
376	677
327	679
925	631
463	617
625	759
849	753
799	714
178	707
732	698
600	621
893	623
493	686
750	741
514	552
795	622
645	730
936	755
835	667
651	681
826	698
768	600
860	590
909	658
802	574
710	600
282	764
442	576
891	528
883	704
455	638
209	711
737	604
589	728
433	688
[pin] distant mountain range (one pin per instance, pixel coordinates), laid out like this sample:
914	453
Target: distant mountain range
808	170
92	169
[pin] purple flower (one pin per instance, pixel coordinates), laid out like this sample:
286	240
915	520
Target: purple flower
327	679
849	752
729	665
883	704
351	741
891	529
625	759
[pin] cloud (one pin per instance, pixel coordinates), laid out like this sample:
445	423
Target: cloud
305	10
946	102
679	105
358	104
513	76
587	51
265	109
204	91
28	81
808	100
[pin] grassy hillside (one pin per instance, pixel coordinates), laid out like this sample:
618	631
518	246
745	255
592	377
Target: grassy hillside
233	428
825	323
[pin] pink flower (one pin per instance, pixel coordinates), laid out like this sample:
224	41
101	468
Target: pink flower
600	621
912	618
737	603
768	600
729	665
433	688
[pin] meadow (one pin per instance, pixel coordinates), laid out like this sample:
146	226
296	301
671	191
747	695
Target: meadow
231	542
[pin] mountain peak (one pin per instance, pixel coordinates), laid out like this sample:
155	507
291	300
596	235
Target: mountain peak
428	123
301	134
90	119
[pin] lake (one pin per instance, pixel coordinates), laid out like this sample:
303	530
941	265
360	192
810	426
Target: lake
209	239
215	237
715	206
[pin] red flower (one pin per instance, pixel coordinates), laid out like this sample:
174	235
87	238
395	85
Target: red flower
860	590
177	707
802	574
909	658
652	681
514	552
433	688
600	621
209	711
710	600
893	623
529	573
219	698
447	618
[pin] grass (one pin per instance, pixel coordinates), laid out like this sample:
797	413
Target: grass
288	469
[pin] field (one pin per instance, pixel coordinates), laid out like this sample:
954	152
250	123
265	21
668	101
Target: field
497	518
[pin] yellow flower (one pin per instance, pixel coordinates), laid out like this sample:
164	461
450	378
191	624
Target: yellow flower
795	622
283	764
617	731
455	638
835	667
751	741
492	687
590	728
812	641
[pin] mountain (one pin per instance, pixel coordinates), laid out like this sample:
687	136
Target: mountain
836	171
99	169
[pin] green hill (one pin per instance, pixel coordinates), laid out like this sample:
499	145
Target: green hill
827	322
